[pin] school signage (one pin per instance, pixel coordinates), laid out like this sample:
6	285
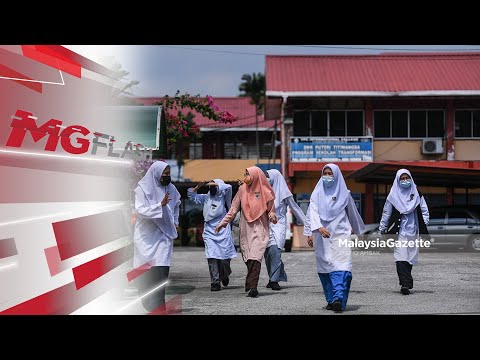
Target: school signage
331	149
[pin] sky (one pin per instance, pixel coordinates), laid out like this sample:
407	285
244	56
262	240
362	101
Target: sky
216	70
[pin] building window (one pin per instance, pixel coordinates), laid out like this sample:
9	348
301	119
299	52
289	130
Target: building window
328	123
435	125
266	150
382	124
209	150
232	150
409	123
319	123
301	123
354	123
418	124
467	123
337	123
242	145
195	151
399	123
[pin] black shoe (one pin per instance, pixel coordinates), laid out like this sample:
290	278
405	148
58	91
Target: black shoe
275	286
337	306
329	306
404	290
253	293
215	287
269	285
225	281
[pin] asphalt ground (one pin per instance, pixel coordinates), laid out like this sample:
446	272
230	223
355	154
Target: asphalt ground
445	282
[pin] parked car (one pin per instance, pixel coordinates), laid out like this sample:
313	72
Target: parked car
372	232
191	227
453	226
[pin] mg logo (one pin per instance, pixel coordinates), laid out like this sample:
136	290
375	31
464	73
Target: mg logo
24	121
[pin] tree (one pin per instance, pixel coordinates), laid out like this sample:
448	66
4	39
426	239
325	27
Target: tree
181	126
193	133
253	86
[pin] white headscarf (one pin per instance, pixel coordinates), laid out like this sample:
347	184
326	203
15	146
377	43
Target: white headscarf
215	205
279	186
332	200
404	200
155	192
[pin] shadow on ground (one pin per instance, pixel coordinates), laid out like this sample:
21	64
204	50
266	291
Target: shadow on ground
179	290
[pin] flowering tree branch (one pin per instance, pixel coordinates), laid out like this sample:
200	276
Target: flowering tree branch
182	126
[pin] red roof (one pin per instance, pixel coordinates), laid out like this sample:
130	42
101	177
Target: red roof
238	106
374	73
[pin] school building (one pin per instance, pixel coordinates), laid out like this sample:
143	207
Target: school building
374	114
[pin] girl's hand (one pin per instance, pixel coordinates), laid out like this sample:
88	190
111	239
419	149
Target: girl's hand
310	241
199	185
272	217
324	232
219	227
166	199
133	218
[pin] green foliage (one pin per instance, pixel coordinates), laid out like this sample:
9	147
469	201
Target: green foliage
253	86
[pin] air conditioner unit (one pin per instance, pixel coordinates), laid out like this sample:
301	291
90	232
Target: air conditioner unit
432	146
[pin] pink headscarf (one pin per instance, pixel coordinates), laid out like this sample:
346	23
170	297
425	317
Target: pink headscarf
256	195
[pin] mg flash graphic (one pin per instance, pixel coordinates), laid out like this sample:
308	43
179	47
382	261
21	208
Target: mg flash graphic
24	121
64	235
65	238
72	234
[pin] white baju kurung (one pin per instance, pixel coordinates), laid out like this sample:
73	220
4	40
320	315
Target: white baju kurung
409	230
330	254
217	246
332	207
404	201
155	228
278	230
276	242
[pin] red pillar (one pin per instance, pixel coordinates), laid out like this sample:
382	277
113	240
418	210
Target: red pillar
368	204
290	185
450	196
283	159
450	130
